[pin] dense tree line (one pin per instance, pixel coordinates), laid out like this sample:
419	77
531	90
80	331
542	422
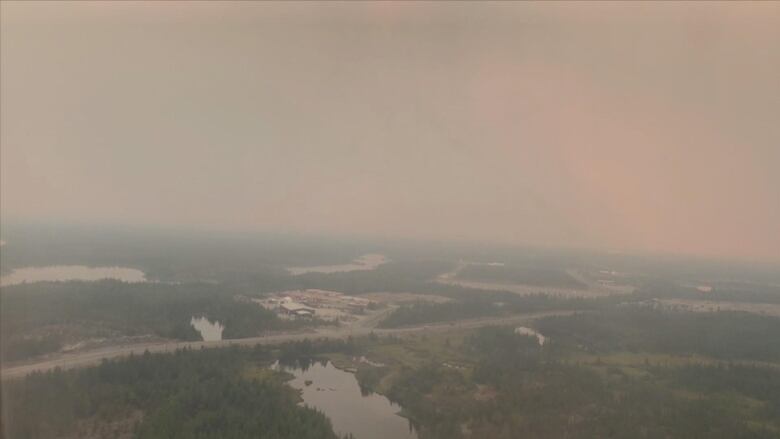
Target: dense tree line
723	335
520	389
485	305
172	254
426	312
757	382
186	394
33	313
504	385
542	276
165	310
721	291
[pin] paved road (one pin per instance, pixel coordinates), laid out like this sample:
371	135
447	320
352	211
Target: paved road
90	358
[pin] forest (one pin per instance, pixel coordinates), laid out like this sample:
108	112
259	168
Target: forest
721	291
187	394
485	305
39	317
506	386
489	382
542	276
721	335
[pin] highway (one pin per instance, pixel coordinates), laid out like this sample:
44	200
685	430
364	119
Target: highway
94	357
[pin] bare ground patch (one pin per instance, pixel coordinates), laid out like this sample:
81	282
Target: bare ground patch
405	297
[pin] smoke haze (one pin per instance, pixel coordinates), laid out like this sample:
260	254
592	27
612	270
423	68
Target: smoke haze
649	126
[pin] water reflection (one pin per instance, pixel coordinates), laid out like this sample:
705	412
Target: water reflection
337	394
522	330
208	331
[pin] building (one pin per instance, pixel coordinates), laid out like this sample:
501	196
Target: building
296	309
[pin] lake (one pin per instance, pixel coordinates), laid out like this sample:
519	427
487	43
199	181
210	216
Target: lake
71	272
522	330
208	331
365	262
337	394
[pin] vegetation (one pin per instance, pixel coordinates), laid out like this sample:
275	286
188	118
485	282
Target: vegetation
539	276
490	382
721	291
426	312
187	394
617	369
177	255
722	335
36	318
506	385
488	304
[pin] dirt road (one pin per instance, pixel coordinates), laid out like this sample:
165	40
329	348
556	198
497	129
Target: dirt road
90	358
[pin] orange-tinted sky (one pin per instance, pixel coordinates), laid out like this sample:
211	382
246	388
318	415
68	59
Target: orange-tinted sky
650	126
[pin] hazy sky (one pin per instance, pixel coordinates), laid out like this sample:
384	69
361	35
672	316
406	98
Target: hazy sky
652	126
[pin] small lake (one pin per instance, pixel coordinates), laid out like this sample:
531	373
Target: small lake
365	262
208	331
337	394
522	330
55	273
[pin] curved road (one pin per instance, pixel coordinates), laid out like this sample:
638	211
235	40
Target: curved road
90	358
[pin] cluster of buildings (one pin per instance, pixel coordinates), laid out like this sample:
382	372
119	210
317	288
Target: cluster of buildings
329	305
293	308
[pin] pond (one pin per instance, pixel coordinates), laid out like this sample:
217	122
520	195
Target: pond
71	272
365	262
208	331
522	330
337	394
